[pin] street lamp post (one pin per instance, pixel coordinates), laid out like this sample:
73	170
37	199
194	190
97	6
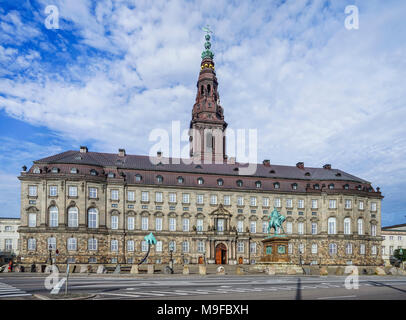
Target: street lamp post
50	254
171	260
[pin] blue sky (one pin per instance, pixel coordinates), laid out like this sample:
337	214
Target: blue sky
113	71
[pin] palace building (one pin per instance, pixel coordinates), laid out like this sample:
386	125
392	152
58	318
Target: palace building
96	207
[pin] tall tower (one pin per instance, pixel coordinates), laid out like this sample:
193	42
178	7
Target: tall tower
207	127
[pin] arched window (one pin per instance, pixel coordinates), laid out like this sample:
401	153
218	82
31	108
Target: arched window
239	183
294	186
72	244
55	170
36	170
332	249
73	170
93	172
93	218
316	186
111	175
331	186
276	185
332	226
73	217
138	177
347	226
208	88
220	182
32	244
159	179
346	186
360	227
201	89
258	184
200	181
180	180
53	216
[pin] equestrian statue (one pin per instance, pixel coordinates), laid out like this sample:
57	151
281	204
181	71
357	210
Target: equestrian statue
275	221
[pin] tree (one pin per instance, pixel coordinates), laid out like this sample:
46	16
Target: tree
397	254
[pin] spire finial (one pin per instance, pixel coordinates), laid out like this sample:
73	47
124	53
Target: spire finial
207	53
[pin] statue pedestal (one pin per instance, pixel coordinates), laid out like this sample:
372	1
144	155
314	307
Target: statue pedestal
275	249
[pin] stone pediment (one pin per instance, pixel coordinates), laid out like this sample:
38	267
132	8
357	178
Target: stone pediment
221	211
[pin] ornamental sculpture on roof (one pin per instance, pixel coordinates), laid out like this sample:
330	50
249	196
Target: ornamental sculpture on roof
207	53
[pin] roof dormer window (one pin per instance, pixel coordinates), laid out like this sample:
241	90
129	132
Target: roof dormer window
276	185
346	186
138	177
239	183
181	180
220	182
294	186
200	181
36	170
258	184
111	175
93	172
55	170
331	186
159	179
73	170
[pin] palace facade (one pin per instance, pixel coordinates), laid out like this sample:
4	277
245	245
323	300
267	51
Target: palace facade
91	207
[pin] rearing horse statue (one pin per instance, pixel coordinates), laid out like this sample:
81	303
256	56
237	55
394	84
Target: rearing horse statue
275	221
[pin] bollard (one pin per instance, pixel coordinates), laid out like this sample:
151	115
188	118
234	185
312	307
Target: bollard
151	269
202	270
134	269
185	270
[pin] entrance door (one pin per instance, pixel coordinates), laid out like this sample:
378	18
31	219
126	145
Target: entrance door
200	260
240	260
221	254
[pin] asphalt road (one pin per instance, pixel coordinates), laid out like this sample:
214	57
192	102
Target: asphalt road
211	287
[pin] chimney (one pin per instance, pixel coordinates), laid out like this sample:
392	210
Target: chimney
300	165
327	166
121	152
83	149
266	163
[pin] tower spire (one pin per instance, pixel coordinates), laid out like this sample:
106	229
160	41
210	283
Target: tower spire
207	140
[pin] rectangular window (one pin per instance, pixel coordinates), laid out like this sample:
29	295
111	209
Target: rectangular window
314	228
300	228
264	227
172	197
289	203
131	223
130	245
32	220
361	205
227	200
93	193
92	244
373	206
172	246
277	202
144	246
72	244
185	224
114	222
240	247
347	204
240	201
332	204
391	250
348	248
314	204
373	230
144	223
185	198
253	201
158	246
8	243
131	196
240	226
145	196
32	191
265	202
73	191
290	248
185	246
158	196
199	225
32	244
300	204
301	248
158	224
289	227
200	246
253	227
114	194
314	248
220	225
253	247
362	248
213	199
53	191
172	224
374	250
199	199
